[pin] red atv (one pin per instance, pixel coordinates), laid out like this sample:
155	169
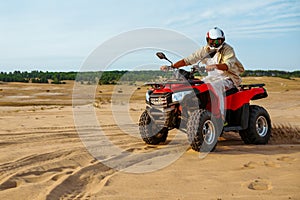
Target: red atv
192	106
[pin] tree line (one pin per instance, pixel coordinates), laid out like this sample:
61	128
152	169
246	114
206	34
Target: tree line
113	77
37	77
106	77
272	73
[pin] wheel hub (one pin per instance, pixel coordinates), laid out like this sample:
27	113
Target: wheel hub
209	132
262	126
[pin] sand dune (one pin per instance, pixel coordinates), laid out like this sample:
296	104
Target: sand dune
43	157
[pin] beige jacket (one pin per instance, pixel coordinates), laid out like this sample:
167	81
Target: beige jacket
225	55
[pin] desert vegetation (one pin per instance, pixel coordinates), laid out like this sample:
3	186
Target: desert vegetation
112	77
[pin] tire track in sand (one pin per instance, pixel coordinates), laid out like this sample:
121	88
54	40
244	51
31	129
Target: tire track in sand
83	183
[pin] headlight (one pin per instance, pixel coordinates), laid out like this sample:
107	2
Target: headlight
148	95
178	96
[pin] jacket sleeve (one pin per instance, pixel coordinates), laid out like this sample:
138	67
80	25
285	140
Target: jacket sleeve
195	57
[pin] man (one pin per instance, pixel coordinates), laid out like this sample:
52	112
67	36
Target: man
223	66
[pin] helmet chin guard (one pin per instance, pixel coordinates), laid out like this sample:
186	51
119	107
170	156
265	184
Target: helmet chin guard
212	48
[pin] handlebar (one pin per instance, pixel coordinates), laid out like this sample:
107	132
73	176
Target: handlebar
194	69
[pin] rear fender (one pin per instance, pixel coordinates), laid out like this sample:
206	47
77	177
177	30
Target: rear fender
237	100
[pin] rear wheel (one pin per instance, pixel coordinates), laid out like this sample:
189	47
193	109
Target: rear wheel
259	127
149	131
203	130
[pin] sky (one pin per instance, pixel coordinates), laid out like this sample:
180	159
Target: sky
58	35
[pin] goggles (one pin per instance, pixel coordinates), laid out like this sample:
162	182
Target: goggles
214	42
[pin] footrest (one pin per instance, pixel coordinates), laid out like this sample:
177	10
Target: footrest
232	128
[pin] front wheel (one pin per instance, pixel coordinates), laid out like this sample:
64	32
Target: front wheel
203	130
149	131
259	127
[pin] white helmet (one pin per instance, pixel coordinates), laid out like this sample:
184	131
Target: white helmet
215	37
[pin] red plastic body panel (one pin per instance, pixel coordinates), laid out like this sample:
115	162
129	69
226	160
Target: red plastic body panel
232	102
237	100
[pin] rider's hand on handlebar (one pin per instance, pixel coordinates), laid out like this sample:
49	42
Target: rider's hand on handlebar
165	68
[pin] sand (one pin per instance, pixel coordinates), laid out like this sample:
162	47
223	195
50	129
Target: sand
44	154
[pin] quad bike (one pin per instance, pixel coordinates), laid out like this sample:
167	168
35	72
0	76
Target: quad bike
189	104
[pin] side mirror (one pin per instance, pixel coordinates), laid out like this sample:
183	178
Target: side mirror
161	55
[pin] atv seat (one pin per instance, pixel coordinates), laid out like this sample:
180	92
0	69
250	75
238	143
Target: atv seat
231	91
249	86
